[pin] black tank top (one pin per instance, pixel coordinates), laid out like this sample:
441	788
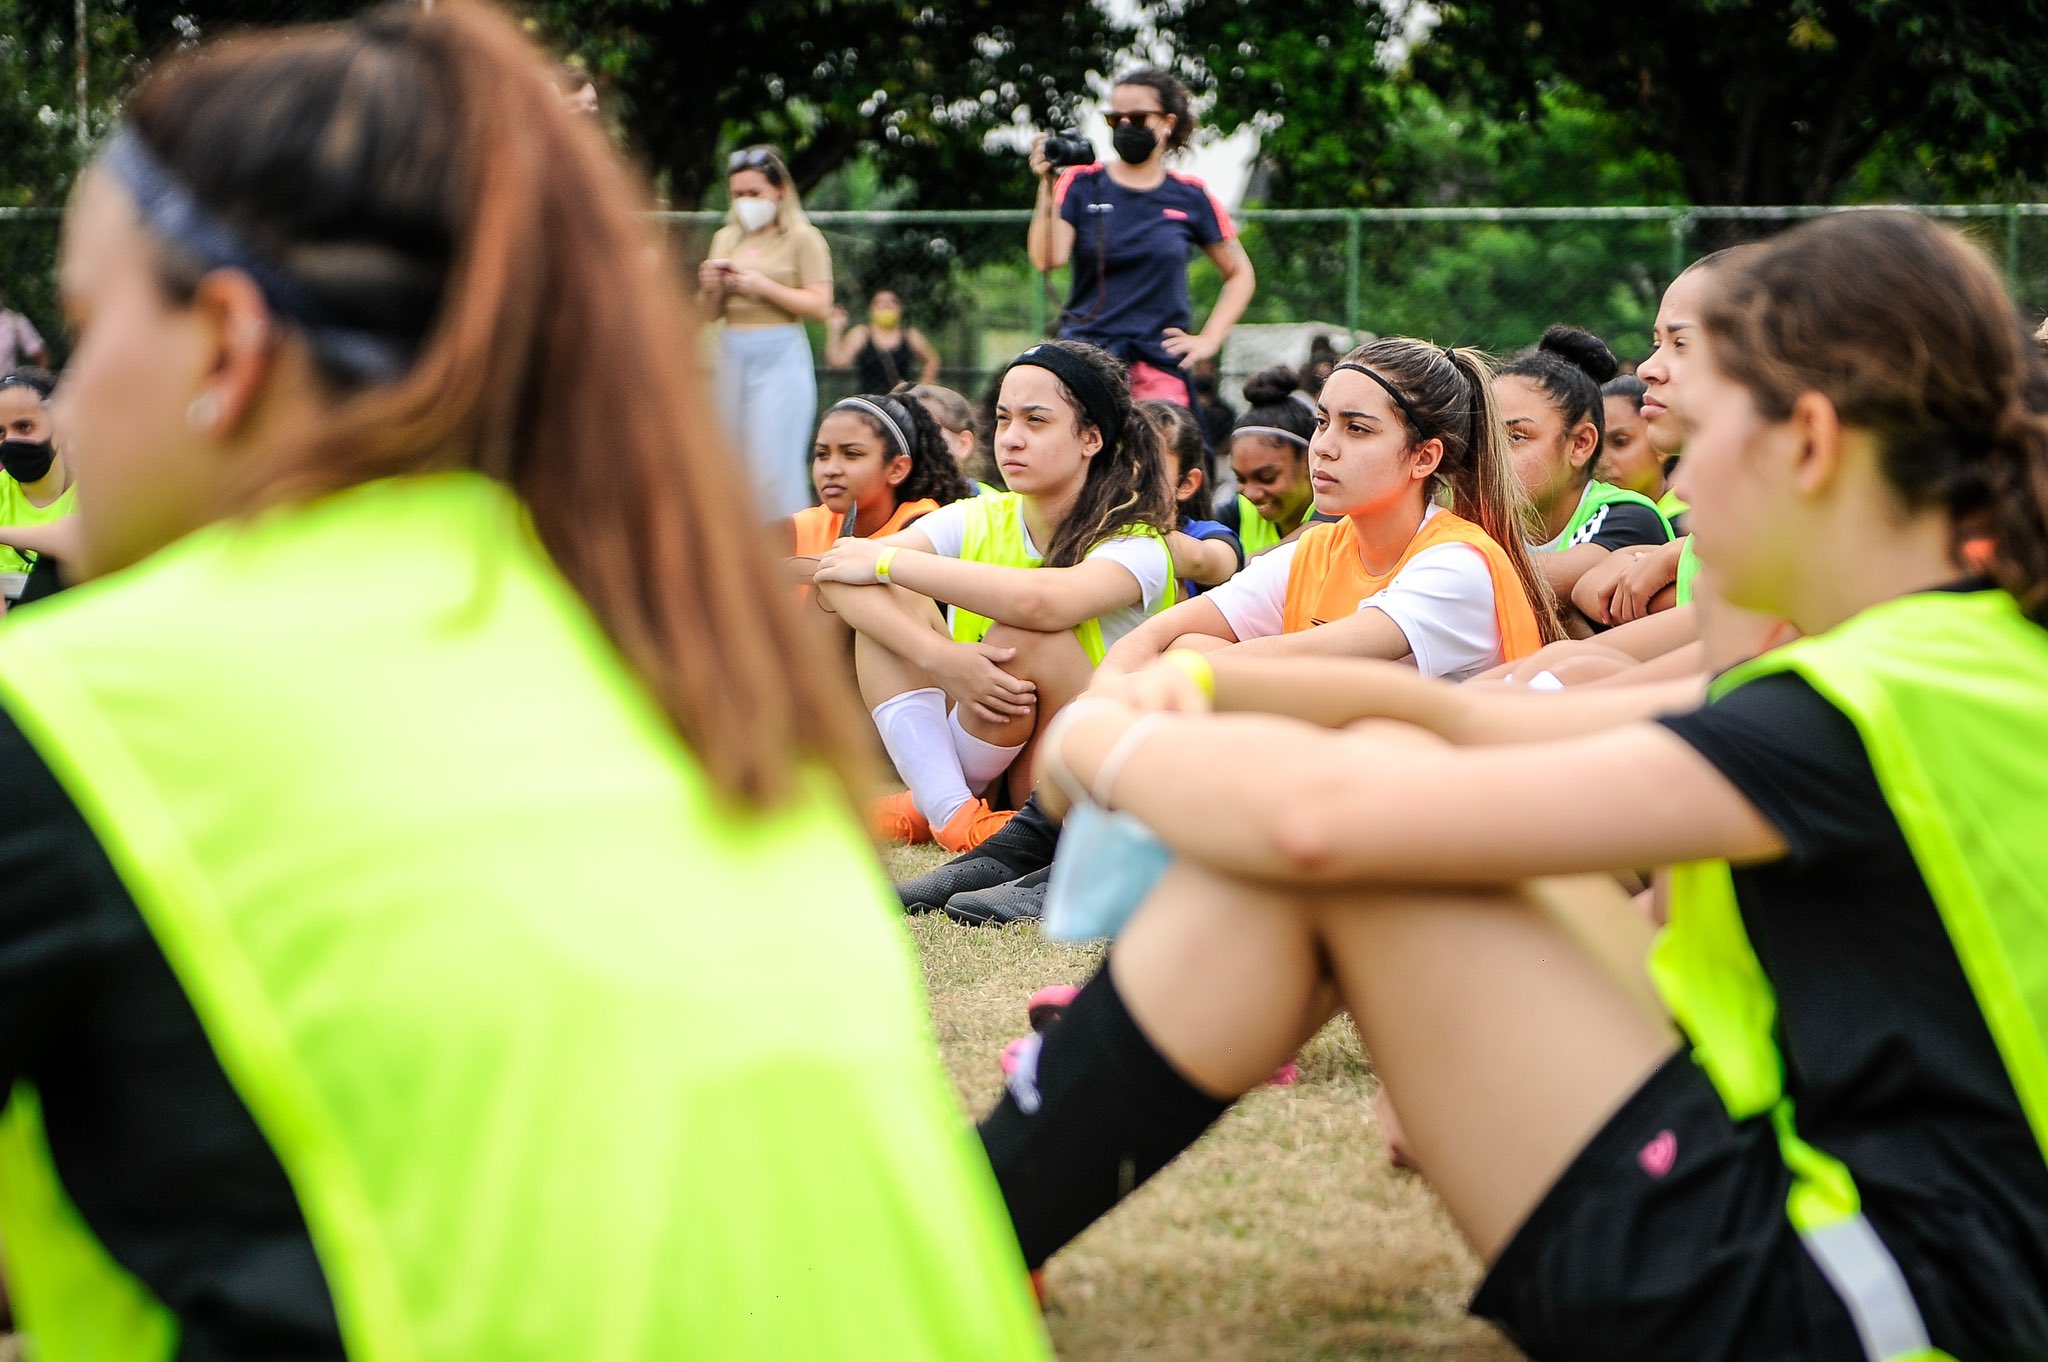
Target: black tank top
881	370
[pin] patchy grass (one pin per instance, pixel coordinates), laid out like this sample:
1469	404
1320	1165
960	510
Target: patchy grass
1283	1234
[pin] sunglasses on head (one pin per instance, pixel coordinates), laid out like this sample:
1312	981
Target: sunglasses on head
754	158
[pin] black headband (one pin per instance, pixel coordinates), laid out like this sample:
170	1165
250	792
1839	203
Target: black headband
1098	404
40	387
173	213
1414	417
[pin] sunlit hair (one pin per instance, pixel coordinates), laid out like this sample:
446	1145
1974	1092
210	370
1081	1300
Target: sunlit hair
416	174
1906	327
1450	393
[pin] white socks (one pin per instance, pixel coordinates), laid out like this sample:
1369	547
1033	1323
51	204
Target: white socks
980	762
918	738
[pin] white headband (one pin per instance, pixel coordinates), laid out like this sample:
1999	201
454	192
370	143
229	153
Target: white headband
888	421
1273	431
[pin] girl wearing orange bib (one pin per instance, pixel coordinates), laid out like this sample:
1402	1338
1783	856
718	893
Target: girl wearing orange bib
879	464
1400	425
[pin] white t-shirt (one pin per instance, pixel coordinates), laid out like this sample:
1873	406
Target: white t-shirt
1442	602
1143	556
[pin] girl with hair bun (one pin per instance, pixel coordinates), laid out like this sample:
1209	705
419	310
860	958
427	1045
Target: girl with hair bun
1401	427
1269	455
978	623
1551	404
1813	1126
434	883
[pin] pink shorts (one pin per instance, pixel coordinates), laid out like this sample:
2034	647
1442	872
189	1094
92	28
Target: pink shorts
1150	383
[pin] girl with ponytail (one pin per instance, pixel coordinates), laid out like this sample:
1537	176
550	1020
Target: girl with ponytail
1814	1125
1401	428
1555	417
433	873
1035	584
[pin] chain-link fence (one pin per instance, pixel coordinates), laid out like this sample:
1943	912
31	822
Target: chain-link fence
1491	277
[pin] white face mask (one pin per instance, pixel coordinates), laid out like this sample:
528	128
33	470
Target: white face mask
754	214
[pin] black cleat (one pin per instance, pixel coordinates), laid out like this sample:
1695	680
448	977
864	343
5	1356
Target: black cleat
1020	846
1019	900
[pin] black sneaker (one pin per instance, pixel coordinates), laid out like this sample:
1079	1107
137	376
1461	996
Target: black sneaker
1020	846
1020	900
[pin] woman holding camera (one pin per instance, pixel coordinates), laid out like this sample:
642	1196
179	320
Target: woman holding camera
769	272
1129	228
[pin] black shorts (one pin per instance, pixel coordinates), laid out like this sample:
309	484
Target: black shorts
1666	1238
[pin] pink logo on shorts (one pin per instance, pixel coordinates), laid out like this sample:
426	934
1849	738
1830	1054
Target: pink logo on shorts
1659	1155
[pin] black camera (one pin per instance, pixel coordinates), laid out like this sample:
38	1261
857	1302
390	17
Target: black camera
1063	149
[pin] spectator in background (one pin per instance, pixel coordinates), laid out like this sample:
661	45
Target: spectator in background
20	342
769	271
1322	357
1130	229
35	488
1217	415
578	91
887	353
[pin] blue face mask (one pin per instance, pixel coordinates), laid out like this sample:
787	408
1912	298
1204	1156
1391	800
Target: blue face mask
1107	863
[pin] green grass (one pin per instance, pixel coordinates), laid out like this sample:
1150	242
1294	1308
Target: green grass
1283	1234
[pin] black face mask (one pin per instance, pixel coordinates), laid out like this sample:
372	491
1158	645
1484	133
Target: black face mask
1134	142
27	460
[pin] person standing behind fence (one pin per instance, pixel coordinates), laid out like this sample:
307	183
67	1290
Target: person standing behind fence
1130	227
769	271
887	353
20	342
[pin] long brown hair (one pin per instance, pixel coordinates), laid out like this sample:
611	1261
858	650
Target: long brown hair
1125	485
1907	329
415	173
1451	396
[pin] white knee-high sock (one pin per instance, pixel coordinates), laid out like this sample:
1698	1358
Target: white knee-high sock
980	761
917	738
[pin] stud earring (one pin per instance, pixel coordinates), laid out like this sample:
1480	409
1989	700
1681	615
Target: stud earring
203	414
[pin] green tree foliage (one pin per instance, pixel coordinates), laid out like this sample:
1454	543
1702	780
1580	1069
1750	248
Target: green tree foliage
922	89
1776	101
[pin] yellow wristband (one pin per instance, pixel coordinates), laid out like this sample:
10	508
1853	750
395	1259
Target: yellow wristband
1199	668
882	561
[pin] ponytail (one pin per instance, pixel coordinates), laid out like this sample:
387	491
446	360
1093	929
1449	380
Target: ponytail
414	176
1485	490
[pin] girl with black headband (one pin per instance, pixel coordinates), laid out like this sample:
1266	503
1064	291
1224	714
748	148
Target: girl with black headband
1037	582
36	491
434	887
879	463
1399	425
1269	455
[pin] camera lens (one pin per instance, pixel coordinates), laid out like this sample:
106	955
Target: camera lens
1068	149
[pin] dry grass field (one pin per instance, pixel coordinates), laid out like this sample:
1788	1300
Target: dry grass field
1284	1234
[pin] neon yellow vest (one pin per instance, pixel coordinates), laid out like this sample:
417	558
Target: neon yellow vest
1594	498
17	509
1688	568
1254	531
1950	695
995	534
563	1056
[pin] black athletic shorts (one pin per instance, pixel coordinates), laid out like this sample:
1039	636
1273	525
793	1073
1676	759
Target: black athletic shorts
1666	1239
